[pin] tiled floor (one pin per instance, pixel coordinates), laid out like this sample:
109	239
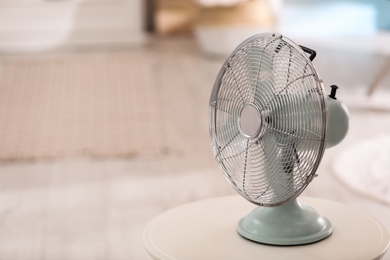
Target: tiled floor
83	208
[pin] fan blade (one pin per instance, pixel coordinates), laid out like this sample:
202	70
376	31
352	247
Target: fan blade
277	175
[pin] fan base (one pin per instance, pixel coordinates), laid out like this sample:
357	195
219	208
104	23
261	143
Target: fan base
288	224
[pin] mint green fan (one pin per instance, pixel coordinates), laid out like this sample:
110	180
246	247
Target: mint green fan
270	122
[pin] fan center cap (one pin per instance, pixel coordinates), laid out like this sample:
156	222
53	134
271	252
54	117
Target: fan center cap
249	121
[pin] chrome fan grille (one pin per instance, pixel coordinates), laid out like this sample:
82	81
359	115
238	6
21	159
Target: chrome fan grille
268	119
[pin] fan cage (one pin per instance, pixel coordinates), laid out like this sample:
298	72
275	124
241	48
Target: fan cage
275	163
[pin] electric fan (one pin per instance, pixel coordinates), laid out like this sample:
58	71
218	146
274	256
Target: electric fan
270	122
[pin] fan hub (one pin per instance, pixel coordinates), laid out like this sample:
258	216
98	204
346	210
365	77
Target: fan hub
250	121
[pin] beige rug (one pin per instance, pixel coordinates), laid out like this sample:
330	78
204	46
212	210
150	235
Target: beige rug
78	105
365	167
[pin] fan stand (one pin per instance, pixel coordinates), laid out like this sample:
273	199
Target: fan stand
289	224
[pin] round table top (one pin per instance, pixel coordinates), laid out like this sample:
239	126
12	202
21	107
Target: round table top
207	230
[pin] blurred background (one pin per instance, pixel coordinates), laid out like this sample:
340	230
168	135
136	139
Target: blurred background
104	112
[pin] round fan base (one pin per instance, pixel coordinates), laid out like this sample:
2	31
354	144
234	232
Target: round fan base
288	224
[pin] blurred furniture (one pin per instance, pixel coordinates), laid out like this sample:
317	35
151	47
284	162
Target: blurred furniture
383	72
40	25
174	16
220	28
207	230
357	25
377	43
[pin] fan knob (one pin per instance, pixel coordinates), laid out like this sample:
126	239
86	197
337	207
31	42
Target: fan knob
333	92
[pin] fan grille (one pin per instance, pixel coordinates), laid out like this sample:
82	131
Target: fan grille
268	119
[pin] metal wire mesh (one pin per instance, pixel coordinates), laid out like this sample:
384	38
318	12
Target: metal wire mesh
268	119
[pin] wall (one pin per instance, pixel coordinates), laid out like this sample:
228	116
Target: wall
39	25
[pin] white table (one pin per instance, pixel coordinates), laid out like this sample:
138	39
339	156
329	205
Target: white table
207	230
